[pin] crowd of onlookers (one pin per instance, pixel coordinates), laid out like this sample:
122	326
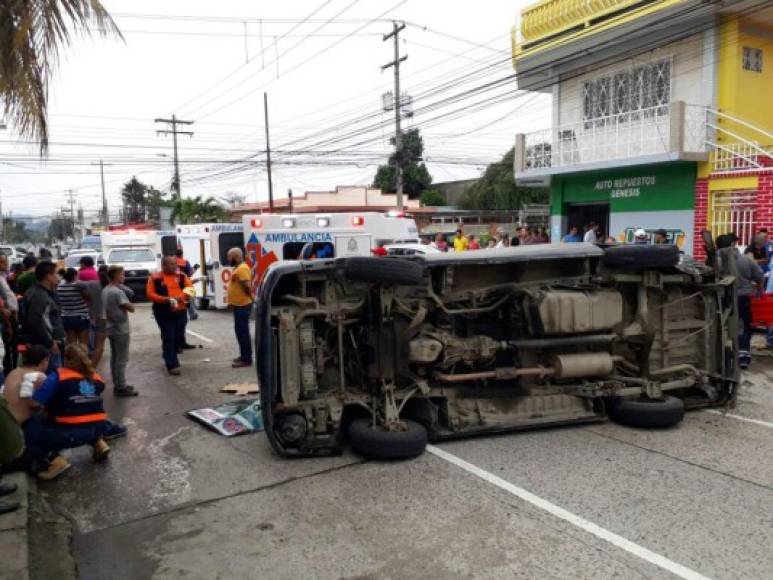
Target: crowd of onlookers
54	324
460	242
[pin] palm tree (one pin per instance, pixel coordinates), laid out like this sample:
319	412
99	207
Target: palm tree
135	200
197	210
32	34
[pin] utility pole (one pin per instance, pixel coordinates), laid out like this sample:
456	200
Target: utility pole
71	197
105	217
268	157
173	122
395	34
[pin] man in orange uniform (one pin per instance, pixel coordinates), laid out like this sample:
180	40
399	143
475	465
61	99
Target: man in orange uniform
165	291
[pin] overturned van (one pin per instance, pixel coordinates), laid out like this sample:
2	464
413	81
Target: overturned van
392	352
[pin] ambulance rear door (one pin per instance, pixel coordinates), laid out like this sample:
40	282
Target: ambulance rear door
353	245
223	238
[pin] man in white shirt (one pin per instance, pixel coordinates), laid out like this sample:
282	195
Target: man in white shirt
590	233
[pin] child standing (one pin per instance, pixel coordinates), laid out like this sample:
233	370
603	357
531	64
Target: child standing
117	307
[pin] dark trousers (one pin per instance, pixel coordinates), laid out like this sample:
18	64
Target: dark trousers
172	325
242	330
11	358
181	338
745	319
45	439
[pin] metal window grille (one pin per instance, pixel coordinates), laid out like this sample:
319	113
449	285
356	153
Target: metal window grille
733	212
628	91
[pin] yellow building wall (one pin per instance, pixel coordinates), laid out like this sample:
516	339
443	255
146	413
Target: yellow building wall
745	94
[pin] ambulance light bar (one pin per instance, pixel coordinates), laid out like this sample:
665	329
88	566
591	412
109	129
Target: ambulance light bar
323	222
257	223
288	222
358	220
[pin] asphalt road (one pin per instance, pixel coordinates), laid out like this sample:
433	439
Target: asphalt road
178	501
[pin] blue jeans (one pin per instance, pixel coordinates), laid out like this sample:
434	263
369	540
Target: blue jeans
172	326
242	330
45	439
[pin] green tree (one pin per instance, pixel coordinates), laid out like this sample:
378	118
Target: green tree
15	232
416	177
61	228
196	210
432	198
32	35
135	200
154	202
496	189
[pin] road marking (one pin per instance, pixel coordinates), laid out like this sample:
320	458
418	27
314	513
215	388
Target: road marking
740	418
575	520
199	336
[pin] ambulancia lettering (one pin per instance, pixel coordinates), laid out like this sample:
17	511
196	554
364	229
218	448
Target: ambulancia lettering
300	237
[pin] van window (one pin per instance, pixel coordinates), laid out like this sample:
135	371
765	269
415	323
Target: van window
228	241
292	250
168	245
131	255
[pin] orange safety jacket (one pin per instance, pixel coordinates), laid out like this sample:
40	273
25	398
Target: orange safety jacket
77	399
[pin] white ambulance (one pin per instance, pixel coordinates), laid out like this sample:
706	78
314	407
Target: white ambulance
206	246
273	238
139	252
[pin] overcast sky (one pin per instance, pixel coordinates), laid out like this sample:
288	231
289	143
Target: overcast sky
189	58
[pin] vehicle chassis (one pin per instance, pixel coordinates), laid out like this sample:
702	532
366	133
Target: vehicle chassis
485	342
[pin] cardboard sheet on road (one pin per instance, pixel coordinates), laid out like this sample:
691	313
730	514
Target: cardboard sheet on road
230	419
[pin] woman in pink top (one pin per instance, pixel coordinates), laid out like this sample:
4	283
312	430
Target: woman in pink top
87	272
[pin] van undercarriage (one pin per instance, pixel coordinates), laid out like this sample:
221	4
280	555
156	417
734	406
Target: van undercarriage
397	351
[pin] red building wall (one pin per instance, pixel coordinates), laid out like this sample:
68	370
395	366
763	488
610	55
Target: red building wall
763	214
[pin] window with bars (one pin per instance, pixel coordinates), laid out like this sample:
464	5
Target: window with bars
752	59
644	87
733	212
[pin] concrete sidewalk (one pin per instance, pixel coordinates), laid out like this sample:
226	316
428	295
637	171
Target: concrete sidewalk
14	531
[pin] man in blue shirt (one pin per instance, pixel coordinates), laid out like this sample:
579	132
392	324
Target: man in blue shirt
572	236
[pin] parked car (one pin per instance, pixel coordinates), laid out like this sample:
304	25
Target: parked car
410	249
392	352
14	256
73	259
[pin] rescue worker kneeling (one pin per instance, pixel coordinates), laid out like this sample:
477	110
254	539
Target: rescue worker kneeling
73	413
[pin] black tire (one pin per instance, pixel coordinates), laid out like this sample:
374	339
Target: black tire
384	271
633	257
646	413
381	444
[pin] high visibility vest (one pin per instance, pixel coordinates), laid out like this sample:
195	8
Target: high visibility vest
77	399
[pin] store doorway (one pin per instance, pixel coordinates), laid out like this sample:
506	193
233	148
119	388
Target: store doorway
581	214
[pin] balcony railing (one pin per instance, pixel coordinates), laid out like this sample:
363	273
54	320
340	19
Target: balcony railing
551	17
737	145
674	130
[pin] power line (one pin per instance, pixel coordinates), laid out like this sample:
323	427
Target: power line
173	122
253	57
